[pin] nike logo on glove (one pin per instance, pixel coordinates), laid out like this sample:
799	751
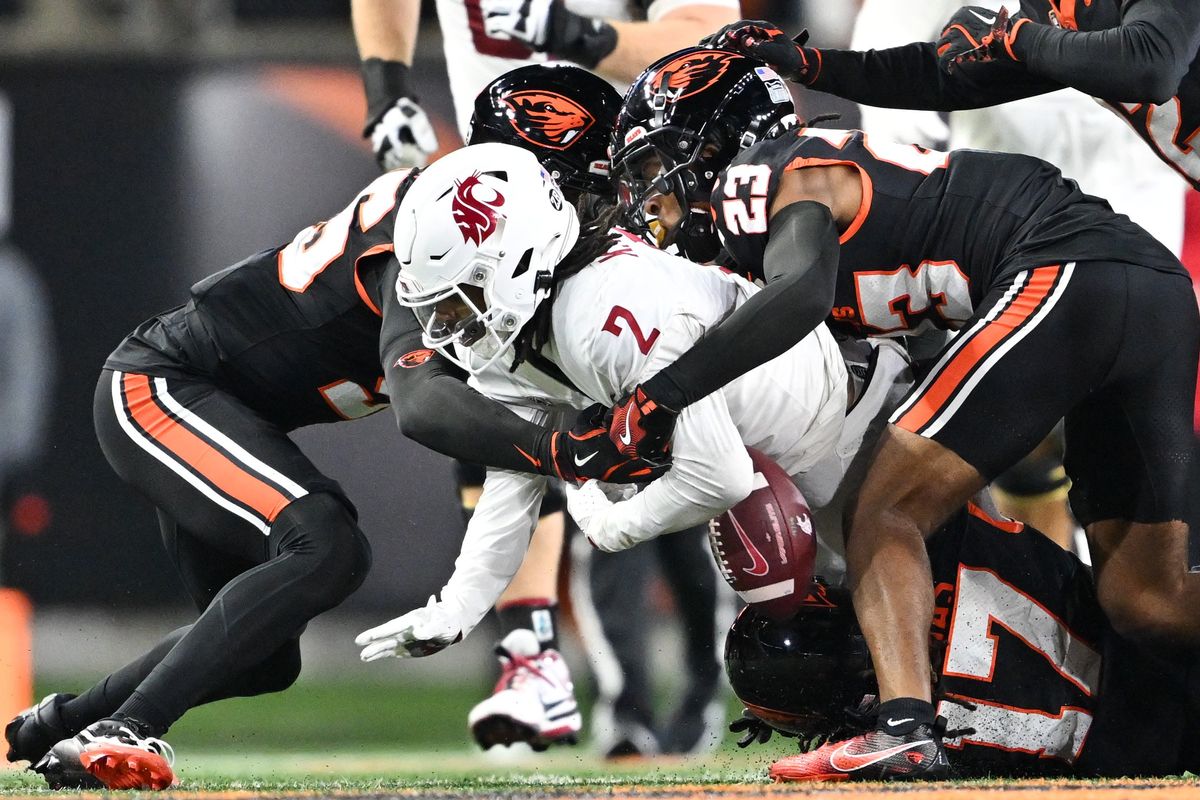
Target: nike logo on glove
626	436
579	462
989	20
849	762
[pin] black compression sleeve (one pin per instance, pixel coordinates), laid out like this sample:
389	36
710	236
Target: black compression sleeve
1142	60
800	266
909	77
435	407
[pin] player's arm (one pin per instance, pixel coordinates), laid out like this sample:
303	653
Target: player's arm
386	34
811	206
616	49
493	548
1142	60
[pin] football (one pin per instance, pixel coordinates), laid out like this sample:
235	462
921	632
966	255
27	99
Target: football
766	545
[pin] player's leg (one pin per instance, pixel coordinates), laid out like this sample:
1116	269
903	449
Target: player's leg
686	564
246	491
1130	447
996	390
534	699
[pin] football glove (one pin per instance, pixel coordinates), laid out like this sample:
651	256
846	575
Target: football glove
548	26
755	729
420	632
400	131
587	453
641	428
760	39
588	504
977	34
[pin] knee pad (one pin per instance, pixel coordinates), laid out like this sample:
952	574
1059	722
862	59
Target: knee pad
320	529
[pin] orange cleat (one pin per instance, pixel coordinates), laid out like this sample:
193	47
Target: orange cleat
872	756
109	754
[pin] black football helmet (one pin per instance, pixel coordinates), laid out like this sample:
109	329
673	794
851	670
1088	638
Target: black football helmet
564	115
800	675
695	109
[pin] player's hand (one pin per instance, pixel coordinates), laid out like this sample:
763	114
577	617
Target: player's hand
526	21
403	136
586	453
588	505
400	132
758	38
754	728
421	632
642	428
977	34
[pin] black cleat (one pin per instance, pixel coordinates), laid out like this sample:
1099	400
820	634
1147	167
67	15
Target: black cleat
34	731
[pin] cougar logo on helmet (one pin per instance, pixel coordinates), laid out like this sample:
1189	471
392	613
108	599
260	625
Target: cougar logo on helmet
475	212
691	73
547	119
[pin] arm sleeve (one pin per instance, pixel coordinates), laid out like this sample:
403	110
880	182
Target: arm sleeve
800	267
710	472
910	77
1141	60
435	407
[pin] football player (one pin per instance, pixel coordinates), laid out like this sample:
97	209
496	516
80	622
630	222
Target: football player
484	39
1137	58
194	408
1052	294
522	108
1027	673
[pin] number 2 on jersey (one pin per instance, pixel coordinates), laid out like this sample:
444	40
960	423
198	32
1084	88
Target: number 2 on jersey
644	342
318	246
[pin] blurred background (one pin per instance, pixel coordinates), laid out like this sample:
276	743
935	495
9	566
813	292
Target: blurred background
143	145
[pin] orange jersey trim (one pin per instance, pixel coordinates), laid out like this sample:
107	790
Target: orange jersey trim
1004	524
868	189
198	454
358	284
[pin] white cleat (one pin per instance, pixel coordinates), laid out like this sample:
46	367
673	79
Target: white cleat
533	702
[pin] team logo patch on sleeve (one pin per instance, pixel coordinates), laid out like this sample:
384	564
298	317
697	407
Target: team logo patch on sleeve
414	358
691	73
547	119
476	206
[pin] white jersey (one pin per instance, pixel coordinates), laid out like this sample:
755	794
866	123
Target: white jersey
617	323
1083	138
474	59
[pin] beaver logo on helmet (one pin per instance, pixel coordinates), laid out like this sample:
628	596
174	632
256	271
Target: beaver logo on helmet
547	119
475	208
691	73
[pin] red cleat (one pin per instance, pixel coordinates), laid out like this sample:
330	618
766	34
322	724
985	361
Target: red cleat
872	756
109	754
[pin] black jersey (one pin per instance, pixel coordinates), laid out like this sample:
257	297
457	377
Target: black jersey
1138	57
294	331
935	231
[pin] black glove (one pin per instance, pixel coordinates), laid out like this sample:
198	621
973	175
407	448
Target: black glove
641	428
400	131
755	728
586	453
758	38
548	26
977	34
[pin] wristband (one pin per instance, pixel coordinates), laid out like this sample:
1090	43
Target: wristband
385	82
584	40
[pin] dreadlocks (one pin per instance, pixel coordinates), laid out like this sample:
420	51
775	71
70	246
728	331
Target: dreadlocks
596	237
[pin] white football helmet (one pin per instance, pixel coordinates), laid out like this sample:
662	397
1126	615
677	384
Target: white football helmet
478	236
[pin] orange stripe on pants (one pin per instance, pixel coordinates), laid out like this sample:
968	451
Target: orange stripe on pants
16	653
1027	301
210	462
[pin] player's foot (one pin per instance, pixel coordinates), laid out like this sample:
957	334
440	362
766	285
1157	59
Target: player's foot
872	756
114	753
534	700
34	731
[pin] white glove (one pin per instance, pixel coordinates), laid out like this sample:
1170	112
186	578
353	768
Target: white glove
420	632
403	137
589	506
527	21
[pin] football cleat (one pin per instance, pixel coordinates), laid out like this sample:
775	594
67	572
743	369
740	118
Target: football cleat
34	731
872	756
110	754
534	700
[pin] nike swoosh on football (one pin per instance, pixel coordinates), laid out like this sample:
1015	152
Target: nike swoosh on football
579	462
857	761
760	566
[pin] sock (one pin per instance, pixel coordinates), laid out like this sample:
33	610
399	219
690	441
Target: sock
538	614
148	719
904	715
